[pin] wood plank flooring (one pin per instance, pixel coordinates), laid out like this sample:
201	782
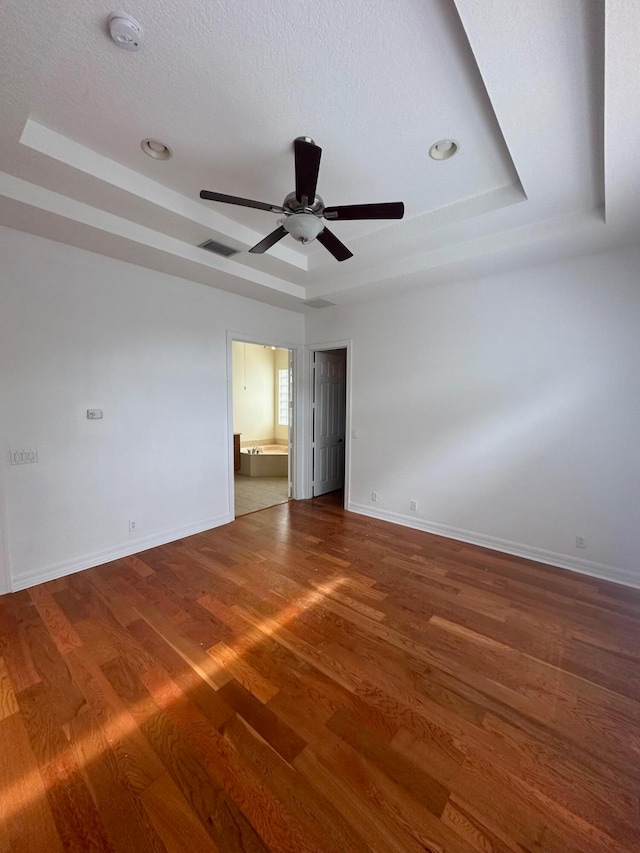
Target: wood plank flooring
306	679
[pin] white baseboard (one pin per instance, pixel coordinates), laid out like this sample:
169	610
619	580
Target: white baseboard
540	555
132	546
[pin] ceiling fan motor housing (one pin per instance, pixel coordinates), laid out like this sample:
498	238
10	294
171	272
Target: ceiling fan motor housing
292	205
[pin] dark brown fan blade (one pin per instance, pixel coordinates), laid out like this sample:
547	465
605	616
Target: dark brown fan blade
307	156
333	245
387	210
269	241
243	202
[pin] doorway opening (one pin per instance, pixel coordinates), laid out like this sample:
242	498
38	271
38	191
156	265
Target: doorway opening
329	420
262	412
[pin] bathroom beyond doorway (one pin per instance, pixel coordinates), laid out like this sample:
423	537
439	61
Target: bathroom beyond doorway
262	407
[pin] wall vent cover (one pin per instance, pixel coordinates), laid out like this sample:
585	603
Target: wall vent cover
218	248
319	303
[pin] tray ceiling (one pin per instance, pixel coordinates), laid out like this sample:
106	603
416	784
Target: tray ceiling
533	99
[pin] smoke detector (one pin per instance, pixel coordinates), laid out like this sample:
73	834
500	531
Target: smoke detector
125	31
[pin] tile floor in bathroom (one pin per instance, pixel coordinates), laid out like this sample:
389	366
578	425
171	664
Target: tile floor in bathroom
254	493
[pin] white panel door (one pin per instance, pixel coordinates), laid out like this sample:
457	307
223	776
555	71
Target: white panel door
329	412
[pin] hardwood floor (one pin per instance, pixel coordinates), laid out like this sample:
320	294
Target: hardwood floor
306	679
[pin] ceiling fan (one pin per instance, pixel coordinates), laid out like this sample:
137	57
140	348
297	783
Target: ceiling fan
304	210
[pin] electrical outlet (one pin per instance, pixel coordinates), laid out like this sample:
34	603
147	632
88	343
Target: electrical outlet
355	434
374	496
413	506
23	457
580	542
133	526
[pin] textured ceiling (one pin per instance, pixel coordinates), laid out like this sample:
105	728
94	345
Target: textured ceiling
527	89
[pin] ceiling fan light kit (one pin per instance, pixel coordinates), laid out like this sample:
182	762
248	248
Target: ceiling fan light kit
303	227
304	210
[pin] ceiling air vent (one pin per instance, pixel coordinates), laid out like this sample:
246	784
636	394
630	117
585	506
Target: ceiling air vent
218	248
319	303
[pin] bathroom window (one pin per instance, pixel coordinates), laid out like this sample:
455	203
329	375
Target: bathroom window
283	398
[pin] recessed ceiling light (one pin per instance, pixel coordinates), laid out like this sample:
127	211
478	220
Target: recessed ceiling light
157	150
443	150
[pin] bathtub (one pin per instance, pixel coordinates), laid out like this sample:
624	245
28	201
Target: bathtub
272	461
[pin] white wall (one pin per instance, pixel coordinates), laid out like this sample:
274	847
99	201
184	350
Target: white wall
256	393
253	409
508	408
79	331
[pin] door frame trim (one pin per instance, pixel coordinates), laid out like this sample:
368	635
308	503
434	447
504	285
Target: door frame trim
307	472
298	411
6	580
